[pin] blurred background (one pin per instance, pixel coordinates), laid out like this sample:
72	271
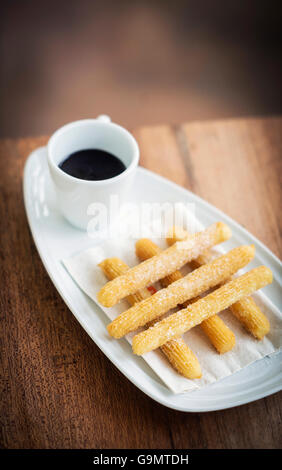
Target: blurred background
141	62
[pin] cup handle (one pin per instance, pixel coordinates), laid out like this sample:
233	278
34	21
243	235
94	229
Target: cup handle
103	118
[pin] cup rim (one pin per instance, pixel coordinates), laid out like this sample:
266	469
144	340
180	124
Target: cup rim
133	164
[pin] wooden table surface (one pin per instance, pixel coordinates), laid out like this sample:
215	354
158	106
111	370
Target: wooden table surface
57	389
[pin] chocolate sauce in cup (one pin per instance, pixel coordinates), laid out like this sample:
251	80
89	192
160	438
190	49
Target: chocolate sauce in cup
92	165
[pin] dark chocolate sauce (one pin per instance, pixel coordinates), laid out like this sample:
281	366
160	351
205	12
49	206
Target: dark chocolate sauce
92	164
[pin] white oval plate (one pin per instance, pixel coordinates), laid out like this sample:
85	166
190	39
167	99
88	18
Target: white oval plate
56	239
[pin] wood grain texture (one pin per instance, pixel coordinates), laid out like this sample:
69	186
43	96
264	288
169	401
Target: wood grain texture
57	388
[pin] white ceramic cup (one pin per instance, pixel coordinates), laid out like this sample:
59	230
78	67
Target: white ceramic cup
74	195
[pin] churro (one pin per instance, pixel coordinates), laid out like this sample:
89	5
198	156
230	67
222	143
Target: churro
182	358
246	310
162	264
195	283
222	338
251	316
177	352
114	267
182	321
146	249
179	234
219	334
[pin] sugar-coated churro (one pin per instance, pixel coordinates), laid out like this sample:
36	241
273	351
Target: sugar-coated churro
114	267
251	316
246	310
219	334
162	264
146	249
222	338
182	358
195	283
177	352
182	321
178	234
